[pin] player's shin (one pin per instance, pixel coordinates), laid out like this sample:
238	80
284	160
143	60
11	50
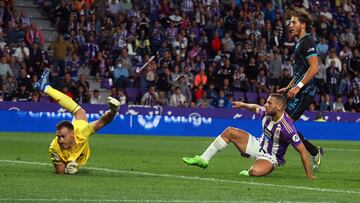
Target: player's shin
63	100
217	145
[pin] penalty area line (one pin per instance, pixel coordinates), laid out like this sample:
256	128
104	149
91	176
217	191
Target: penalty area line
198	178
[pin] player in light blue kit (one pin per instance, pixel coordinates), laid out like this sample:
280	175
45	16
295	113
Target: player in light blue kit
269	150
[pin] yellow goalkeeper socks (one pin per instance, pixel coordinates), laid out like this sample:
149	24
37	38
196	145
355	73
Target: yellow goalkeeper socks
63	100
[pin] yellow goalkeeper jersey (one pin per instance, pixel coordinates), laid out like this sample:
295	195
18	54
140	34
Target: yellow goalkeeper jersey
80	152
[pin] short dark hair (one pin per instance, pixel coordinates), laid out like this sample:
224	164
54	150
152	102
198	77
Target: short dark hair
279	97
64	124
303	17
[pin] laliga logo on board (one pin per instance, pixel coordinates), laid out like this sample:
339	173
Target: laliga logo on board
193	118
151	120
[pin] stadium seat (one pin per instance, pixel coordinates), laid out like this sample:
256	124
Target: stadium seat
239	96
264	95
44	99
132	94
317	98
106	83
251	97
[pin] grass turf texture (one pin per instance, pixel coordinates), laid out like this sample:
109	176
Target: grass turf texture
167	178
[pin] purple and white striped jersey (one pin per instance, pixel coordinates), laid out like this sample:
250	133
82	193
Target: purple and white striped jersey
277	135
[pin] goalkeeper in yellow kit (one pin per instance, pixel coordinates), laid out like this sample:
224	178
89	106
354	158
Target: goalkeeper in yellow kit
70	150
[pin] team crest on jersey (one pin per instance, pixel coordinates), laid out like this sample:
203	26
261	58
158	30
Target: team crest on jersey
296	138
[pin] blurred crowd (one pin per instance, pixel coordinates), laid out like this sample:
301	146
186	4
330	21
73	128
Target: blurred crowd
207	52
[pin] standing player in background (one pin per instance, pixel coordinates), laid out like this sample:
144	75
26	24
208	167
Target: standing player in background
302	89
70	149
269	150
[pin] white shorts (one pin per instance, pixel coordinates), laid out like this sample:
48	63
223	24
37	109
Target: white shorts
253	151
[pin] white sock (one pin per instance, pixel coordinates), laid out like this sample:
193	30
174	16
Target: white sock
214	147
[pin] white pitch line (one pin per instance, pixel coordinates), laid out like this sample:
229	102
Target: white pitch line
338	149
198	178
113	200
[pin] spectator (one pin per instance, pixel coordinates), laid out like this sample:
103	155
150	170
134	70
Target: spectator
96	97
22	54
354	65
24	79
285	78
177	99
125	6
33	34
150	98
228	90
325	104
35	58
99	66
163	100
185	90
356	97
348	37
82	82
200	78
274	72
333	78
240	81
9	87
21	95
4	68
350	106
60	48
69	83
220	101
121	75
338	105
322	48
73	66
228	44
262	82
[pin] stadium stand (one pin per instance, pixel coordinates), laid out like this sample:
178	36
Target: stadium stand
205	47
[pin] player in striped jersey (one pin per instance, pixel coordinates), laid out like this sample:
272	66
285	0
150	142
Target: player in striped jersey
269	150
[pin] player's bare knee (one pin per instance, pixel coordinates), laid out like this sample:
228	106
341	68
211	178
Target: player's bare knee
255	172
228	132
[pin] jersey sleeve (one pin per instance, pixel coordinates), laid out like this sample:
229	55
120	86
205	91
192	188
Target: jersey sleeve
310	48
83	130
290	134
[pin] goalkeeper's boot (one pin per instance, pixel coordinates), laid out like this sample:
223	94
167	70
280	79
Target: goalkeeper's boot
317	159
114	104
43	81
197	161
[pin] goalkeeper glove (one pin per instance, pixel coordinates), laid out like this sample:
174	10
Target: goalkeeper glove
114	104
71	168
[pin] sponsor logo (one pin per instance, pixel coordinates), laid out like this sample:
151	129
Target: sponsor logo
296	138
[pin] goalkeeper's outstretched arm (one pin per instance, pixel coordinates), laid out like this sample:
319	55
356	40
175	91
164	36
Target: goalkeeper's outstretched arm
104	120
114	106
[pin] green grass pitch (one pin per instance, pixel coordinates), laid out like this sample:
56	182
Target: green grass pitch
150	169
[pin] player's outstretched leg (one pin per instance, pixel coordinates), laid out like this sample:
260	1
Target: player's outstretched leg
230	134
62	99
